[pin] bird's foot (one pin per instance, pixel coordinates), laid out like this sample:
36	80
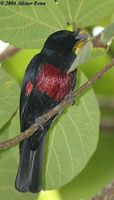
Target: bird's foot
38	121
71	98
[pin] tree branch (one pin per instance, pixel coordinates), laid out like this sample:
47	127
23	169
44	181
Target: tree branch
107	125
10	51
106	102
67	101
106	194
97	41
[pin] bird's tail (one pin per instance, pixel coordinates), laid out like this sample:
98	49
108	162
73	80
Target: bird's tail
29	172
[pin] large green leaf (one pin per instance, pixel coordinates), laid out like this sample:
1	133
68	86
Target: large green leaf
29	26
9	97
71	142
97	174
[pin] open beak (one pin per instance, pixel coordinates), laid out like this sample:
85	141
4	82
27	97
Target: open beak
81	39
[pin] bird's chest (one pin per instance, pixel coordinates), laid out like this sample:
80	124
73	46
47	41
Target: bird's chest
55	83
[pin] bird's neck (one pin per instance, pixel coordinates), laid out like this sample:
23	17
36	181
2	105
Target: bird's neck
62	61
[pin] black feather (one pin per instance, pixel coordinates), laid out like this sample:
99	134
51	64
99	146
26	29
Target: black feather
31	150
36	104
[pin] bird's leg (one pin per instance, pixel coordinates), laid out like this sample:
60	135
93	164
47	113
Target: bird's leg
71	97
73	101
39	122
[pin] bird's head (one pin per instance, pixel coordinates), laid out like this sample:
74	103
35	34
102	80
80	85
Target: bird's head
64	42
61	47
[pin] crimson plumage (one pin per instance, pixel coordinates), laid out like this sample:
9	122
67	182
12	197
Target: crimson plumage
57	84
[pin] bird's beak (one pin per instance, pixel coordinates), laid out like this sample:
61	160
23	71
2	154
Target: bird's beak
81	39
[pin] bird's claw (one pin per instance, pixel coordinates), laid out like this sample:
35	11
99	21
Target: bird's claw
39	122
72	98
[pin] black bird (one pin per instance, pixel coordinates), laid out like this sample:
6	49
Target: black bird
45	84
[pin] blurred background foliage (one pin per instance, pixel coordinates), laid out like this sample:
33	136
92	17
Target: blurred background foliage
100	169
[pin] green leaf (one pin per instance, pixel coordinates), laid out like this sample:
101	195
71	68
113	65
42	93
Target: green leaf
9	97
86	54
9	165
86	12
108	33
71	142
98	173
29	26
90	68
69	145
17	64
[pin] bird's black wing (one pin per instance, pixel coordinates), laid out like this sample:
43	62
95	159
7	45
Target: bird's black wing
32	106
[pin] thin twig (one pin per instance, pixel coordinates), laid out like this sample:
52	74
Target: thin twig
8	52
67	101
97	42
107	125
106	194
106	102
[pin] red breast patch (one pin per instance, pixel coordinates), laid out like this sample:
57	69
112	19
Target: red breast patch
29	88
52	81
